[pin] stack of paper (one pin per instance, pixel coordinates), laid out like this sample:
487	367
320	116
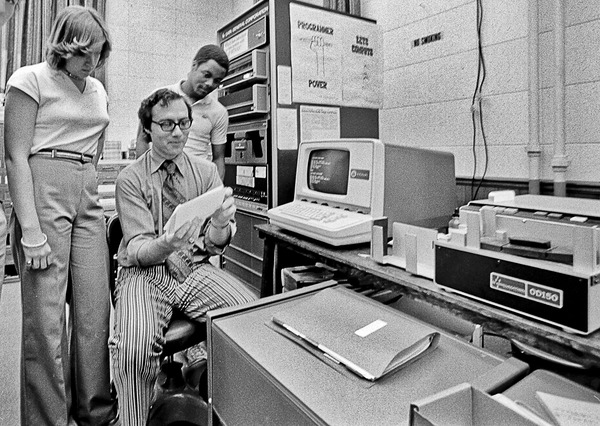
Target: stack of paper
570	412
200	207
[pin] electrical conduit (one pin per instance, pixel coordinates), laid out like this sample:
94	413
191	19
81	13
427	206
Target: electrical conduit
560	161
533	146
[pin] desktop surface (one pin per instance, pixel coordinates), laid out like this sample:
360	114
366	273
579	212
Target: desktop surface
355	262
261	377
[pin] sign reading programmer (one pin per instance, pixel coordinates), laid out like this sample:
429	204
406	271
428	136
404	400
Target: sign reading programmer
336	59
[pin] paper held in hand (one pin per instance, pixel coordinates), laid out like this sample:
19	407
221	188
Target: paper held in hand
202	207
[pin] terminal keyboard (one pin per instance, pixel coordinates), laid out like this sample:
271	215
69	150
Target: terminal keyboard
331	225
316	212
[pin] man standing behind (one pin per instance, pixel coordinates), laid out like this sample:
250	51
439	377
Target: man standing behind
208	133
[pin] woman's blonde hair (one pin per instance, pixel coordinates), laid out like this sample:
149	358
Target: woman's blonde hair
75	29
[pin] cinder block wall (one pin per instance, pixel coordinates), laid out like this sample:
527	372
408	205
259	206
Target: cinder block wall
428	89
153	45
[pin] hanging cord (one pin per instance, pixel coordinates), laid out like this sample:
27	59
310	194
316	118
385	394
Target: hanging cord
476	110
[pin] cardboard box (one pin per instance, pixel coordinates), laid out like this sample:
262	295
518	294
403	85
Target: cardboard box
463	405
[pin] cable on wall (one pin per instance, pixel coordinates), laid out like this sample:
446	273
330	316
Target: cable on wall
476	110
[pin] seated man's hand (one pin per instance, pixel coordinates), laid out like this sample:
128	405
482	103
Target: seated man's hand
185	236
226	212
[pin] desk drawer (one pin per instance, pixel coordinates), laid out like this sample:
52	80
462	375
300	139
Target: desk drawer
244	393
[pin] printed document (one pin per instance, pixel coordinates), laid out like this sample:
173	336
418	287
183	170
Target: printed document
570	412
201	207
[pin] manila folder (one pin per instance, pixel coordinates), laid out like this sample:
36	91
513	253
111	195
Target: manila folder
370	335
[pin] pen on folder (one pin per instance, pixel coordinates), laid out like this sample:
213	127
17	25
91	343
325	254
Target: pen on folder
331	358
338	359
298	334
310	341
347	363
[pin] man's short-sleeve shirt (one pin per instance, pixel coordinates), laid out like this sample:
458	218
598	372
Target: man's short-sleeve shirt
209	126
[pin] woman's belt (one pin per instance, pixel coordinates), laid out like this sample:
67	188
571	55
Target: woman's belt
66	155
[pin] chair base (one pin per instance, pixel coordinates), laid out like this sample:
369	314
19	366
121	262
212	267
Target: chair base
176	402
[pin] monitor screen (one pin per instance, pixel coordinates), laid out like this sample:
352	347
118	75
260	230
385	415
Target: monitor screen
328	171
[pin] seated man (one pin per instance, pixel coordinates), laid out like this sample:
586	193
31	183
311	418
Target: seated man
149	287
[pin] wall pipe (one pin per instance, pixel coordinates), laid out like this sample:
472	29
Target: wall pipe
560	161
533	145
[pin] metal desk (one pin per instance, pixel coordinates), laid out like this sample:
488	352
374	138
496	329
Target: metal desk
283	248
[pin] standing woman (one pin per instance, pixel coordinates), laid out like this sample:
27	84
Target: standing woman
55	119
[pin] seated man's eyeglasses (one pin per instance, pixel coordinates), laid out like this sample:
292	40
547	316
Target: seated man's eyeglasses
169	125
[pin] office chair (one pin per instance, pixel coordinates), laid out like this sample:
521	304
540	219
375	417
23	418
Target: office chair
176	401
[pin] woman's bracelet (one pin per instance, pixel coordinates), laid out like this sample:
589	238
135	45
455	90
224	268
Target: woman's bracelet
219	227
38	245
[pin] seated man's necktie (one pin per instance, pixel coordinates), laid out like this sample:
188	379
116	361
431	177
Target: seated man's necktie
172	194
180	262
